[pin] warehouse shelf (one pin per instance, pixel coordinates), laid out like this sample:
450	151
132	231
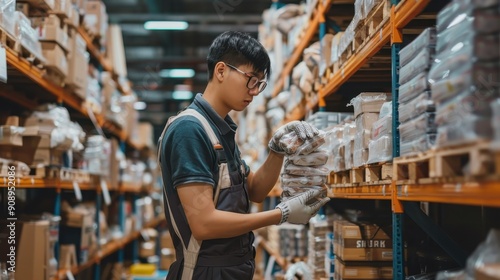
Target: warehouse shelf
382	192
304	41
61	94
403	14
110	248
472	193
130	187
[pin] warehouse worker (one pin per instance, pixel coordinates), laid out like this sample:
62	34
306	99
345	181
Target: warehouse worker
207	187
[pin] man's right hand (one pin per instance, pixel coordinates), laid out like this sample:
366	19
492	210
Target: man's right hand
300	209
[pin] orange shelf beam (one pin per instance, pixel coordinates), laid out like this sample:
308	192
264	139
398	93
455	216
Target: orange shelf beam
94	52
304	41
474	193
62	95
382	192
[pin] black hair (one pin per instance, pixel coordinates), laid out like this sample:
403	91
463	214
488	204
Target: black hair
238	48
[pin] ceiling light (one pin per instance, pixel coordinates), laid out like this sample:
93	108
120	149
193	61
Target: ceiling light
177	73
166	25
140	105
182	95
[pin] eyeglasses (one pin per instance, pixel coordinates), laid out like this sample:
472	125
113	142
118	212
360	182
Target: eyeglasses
252	80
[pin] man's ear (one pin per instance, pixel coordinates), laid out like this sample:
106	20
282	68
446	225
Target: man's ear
219	70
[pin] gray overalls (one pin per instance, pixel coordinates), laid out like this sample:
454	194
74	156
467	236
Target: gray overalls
227	258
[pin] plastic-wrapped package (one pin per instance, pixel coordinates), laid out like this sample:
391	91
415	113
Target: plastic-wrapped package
422	144
7	13
348	154
426	39
334	57
349	132
365	122
467	31
312	55
380	150
447	82
386	109
421	104
461	9
421	63
347	37
382	127
360	157
288	180
311	145
290	142
27	35
359	9
290	192
413	88
469	129
293	169
417	127
286	17
362	139
368	102
338	164
369	5
464	105
313	159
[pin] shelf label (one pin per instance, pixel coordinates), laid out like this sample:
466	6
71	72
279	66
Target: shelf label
78	192
3	64
105	192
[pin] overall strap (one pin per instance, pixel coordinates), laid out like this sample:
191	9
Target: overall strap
192	250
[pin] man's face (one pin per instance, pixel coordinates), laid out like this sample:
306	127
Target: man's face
243	84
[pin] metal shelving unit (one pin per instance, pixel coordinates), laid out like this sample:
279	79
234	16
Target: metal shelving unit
34	77
403	195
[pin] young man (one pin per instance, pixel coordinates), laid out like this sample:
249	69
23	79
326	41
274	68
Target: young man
207	187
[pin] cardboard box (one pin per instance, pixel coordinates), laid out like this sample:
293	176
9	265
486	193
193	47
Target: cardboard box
11	135
63	7
369	102
166	241
24	153
96	18
55	57
115	50
33	251
362	270
77	65
361	242
53	30
145	135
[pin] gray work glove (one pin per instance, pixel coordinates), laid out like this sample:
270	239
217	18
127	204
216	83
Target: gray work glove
300	209
303	130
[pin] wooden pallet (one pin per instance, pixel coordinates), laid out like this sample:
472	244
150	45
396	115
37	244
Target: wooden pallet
23	52
378	173
339	178
7	40
63	174
345	56
412	169
360	36
465	161
377	17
